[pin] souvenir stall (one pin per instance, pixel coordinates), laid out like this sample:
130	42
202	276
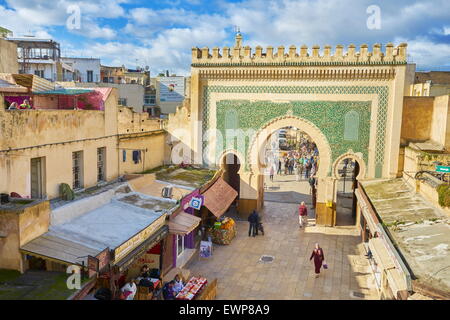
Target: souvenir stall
218	199
127	264
183	225
223	231
198	288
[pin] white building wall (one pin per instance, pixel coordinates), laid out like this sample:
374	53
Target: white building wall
49	69
83	65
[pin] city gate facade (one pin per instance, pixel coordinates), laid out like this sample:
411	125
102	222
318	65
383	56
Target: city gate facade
349	104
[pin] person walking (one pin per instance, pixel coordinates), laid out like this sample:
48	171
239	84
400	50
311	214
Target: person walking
297	170
308	167
272	172
253	224
319	258
301	168
302	215
279	167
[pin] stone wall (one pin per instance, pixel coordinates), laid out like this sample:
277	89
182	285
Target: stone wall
8	57
130	121
54	135
152	147
416	119
426	118
20	226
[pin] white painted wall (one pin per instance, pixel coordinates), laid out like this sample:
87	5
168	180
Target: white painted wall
83	65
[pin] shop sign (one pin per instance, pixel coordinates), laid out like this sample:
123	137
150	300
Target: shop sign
196	203
121	251
444	169
205	249
149	259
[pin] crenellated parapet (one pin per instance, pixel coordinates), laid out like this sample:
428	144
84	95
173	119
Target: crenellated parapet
293	56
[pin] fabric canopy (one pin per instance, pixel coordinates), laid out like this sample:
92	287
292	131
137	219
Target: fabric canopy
183	223
219	197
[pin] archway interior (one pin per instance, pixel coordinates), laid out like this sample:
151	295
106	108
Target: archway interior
348	170
231	166
291	162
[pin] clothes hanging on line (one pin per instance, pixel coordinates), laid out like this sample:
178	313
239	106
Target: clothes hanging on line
136	156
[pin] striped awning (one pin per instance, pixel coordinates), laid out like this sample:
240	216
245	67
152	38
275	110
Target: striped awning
34	82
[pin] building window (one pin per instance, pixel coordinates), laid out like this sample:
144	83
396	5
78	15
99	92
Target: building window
39	73
180	245
37	178
149	99
101	163
105	79
122	101
90	76
77	169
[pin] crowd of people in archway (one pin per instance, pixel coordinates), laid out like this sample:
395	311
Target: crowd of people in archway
303	162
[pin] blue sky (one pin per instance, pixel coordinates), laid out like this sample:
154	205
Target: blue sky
161	33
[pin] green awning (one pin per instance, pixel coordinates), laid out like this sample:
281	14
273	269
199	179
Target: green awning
66	92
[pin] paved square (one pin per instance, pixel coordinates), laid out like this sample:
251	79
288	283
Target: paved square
290	275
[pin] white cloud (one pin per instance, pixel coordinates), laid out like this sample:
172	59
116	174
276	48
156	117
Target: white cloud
162	38
33	16
426	53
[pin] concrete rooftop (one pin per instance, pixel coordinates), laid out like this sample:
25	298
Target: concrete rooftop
107	226
189	177
420	230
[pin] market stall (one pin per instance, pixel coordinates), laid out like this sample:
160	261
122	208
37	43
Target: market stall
223	231
218	199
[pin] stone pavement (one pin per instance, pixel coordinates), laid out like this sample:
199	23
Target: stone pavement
291	274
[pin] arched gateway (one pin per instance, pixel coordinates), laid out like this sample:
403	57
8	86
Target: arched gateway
350	105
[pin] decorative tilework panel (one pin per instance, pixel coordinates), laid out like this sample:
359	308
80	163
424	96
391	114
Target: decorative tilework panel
381	91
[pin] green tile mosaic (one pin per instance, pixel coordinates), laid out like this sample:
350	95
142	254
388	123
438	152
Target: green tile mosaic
328	116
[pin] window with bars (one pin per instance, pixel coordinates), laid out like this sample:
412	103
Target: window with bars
101	153
77	169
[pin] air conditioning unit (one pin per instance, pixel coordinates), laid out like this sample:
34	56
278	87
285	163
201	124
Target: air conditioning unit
167	192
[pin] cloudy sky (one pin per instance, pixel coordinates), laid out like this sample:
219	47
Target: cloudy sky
161	33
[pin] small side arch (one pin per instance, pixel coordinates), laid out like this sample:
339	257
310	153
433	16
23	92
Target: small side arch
355	157
239	156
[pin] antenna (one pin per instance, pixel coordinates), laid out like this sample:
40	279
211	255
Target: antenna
237	29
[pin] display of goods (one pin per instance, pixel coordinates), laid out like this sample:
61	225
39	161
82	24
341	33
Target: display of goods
223	236
217	225
228	224
192	288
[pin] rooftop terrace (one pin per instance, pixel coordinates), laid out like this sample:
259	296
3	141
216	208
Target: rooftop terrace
419	230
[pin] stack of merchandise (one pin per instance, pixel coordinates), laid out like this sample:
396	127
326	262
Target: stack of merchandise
192	288
225	233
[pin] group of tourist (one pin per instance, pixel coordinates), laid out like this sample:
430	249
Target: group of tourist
302	163
169	290
24	105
